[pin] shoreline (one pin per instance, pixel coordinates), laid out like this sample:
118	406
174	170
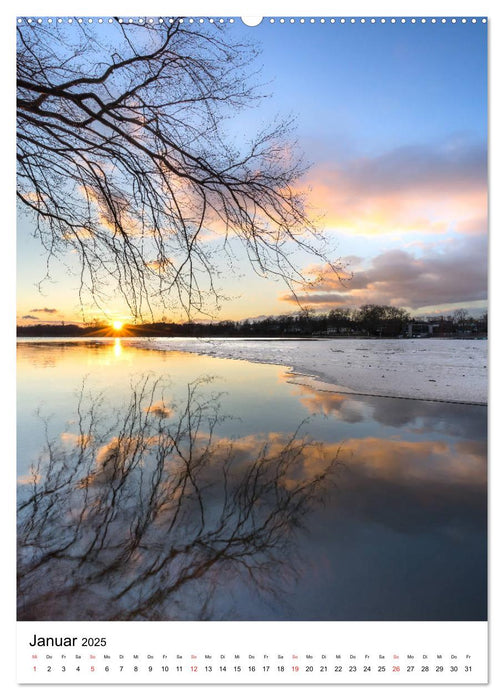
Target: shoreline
325	386
436	369
444	370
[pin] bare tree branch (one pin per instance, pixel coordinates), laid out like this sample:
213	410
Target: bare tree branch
123	158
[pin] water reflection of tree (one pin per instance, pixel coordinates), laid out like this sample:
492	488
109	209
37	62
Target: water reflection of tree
142	519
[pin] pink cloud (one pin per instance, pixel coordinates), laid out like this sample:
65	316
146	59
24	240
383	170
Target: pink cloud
400	278
417	188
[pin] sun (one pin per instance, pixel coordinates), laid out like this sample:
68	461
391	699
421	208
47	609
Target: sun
117	325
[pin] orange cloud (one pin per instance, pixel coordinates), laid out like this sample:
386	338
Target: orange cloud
123	216
159	408
409	462
399	461
27	479
76	440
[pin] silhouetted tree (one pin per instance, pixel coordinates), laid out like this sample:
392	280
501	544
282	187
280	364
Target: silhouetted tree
381	320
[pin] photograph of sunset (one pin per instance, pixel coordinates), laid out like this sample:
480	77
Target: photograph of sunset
252	319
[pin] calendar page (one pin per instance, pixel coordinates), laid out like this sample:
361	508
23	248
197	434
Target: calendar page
252	349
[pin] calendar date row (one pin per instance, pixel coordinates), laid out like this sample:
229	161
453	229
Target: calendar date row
309	668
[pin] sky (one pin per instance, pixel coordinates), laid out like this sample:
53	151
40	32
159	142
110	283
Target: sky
393	119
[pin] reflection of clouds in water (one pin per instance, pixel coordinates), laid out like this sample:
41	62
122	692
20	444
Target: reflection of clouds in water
457	420
399	462
430	461
130	515
304	460
76	440
392	461
117	450
402	484
396	503
307	460
458	423
419	417
29	479
160	408
123	454
341	406
414	487
112	460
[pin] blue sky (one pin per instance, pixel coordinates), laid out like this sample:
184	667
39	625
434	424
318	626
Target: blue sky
377	86
393	119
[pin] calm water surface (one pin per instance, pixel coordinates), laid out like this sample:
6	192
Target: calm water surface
166	485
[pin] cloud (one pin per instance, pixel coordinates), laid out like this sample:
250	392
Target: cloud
30	318
419	417
29	479
122	216
112	460
391	460
45	310
423	188
387	482
75	440
345	408
404	461
78	234
455	275
160	409
451	167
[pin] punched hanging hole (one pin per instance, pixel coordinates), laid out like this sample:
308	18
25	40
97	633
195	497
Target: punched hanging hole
252	21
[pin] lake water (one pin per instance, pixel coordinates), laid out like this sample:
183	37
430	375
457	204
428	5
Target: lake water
167	485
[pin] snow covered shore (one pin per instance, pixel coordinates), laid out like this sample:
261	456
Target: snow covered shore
436	369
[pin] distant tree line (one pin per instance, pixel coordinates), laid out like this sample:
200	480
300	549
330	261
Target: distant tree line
370	320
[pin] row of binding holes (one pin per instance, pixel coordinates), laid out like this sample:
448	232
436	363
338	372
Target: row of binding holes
282	20
373	20
140	20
